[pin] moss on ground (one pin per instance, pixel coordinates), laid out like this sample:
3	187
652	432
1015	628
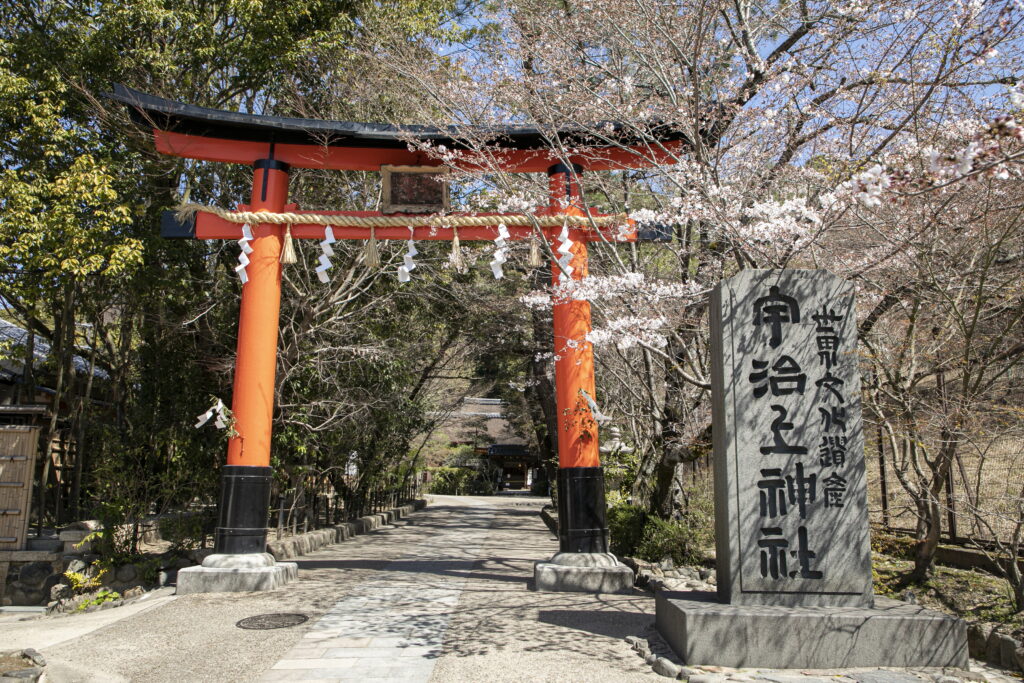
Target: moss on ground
971	594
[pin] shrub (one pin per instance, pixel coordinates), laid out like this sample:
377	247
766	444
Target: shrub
459	481
186	531
102	595
81	582
662	538
626	528
635	532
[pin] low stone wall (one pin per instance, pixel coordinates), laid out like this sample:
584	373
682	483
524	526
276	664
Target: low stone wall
30	577
26	576
296	546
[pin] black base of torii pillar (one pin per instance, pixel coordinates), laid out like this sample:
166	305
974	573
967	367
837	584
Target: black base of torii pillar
582	525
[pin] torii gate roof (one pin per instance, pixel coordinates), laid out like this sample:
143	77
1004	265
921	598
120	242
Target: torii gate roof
193	132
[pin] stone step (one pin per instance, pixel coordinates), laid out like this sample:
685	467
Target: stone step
49	545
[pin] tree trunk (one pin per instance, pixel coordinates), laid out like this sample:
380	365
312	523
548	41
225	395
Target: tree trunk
924	552
663	502
27	394
672	447
62	351
928	542
80	450
540	399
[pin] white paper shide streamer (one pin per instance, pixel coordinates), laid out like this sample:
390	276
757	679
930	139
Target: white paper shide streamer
565	251
220	410
500	252
328	252
408	264
599	417
243	257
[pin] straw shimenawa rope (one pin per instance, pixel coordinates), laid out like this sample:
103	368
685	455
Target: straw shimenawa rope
187	211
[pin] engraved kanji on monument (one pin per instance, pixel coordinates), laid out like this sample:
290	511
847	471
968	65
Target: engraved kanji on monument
790	488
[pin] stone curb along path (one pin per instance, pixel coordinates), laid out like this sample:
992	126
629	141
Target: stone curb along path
296	546
391	627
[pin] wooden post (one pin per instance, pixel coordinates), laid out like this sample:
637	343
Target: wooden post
882	479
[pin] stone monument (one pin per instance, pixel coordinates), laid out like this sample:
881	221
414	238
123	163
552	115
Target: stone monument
791	519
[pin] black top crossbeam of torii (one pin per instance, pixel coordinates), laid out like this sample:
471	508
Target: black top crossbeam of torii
215	135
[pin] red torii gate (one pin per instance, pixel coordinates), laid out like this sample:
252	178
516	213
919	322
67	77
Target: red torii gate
273	145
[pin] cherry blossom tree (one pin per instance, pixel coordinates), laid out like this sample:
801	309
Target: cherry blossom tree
840	135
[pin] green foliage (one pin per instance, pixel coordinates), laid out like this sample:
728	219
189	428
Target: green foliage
626	528
459	481
96	536
461	455
62	213
102	595
148	569
81	193
685	544
81	583
634	532
185	531
116	542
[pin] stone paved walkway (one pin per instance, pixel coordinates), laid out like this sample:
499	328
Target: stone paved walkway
392	627
442	597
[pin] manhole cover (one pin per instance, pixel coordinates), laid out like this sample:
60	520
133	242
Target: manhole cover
264	622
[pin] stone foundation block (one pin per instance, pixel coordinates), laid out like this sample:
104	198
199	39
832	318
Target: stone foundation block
583	573
236	573
703	631
367	524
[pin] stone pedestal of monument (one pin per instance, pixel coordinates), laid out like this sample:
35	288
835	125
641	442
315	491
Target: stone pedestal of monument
583	573
221	573
703	631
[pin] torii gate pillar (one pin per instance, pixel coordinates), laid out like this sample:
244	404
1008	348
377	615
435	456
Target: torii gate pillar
240	561
245	481
583	563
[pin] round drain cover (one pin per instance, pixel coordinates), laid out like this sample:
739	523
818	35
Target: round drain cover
265	622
